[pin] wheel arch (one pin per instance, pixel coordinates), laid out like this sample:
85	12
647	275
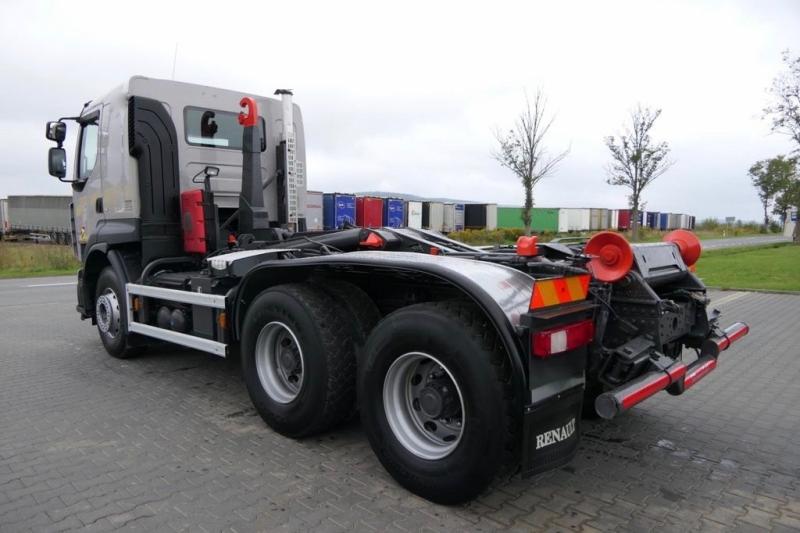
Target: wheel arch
99	257
278	272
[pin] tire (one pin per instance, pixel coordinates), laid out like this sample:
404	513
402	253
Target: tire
111	315
361	309
312	387
446	462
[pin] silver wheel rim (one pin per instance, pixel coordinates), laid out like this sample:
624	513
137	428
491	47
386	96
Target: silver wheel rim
410	389
108	313
279	362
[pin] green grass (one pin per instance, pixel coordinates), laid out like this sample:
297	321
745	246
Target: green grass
773	267
22	260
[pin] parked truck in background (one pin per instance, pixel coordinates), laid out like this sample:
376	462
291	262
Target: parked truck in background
463	363
36	218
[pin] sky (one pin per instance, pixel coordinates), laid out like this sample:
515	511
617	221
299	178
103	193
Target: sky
406	96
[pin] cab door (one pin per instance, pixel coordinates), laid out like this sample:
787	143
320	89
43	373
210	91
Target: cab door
88	185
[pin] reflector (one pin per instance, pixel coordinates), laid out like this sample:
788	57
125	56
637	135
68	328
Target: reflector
557	340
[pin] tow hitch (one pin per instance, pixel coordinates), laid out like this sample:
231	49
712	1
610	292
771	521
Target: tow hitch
676	378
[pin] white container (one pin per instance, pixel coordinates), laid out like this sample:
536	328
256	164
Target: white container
458	217
436	214
449	219
414	214
313	211
491	216
613	219
574	219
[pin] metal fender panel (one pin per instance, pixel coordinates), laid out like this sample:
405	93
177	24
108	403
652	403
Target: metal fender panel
508	288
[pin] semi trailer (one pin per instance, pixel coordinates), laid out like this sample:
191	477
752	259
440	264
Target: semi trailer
36	218
464	364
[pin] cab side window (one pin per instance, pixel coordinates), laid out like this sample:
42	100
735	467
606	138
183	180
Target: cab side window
88	150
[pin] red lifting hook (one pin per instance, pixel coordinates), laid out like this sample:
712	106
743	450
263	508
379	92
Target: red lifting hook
249	119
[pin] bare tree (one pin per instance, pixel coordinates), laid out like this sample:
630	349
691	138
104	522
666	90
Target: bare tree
637	160
784	112
523	152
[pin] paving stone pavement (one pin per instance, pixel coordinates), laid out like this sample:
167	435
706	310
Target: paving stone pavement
169	441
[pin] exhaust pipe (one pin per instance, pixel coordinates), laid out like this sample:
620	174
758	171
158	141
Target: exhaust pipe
677	378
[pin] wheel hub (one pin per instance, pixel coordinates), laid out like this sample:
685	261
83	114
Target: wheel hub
438	398
279	362
107	313
423	405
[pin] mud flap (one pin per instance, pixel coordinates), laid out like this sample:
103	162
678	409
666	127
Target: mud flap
551	431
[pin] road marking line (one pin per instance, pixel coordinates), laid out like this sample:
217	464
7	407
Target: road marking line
52	284
729	298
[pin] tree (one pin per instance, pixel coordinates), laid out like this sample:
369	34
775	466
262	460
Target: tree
784	112
770	177
522	150
637	160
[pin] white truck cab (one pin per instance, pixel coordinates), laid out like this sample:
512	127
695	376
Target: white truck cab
107	183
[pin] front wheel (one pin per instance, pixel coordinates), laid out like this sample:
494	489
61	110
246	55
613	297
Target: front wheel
111	315
435	400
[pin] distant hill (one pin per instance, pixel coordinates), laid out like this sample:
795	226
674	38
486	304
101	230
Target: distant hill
413	197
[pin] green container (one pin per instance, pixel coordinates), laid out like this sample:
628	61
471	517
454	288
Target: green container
509	217
544	219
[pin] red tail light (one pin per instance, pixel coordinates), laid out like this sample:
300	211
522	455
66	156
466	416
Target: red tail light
552	341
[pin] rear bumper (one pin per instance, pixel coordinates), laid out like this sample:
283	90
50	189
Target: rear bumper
676	379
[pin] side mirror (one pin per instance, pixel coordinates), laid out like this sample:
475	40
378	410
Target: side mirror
56	131
211	172
57	162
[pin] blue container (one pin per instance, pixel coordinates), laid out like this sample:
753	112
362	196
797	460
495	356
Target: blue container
338	210
663	221
652	220
393	212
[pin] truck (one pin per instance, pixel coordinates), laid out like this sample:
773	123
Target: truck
464	364
36	218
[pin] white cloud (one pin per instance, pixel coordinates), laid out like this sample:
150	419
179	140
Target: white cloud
404	97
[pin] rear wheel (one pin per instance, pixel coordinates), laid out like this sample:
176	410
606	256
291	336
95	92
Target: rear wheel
298	360
436	403
111	315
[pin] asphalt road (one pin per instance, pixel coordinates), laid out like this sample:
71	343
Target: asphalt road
169	441
753	240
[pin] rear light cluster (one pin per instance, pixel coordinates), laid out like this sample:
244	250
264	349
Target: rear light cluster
561	339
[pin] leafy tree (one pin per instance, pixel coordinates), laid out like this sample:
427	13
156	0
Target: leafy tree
637	160
784	112
770	177
522	150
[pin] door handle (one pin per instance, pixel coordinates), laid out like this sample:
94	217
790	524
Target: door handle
98	204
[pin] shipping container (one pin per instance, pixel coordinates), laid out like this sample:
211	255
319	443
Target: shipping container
544	219
613	219
435	216
624	221
574	219
393	209
5	225
674	221
459	217
475	216
426	215
448	218
39	213
663	221
369	212
338	210
414	214
652	219
598	219
491	216
691	222
314	211
685	222
509	217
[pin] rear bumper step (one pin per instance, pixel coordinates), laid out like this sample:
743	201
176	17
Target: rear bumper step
677	378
